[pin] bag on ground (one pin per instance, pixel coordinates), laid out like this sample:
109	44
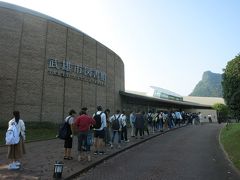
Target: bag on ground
12	135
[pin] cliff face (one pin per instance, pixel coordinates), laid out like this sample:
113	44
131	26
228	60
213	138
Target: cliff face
209	86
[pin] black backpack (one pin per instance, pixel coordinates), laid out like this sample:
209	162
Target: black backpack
149	118
98	120
157	118
64	130
115	123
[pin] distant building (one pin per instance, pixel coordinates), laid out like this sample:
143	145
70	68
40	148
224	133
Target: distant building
159	98
164	94
204	100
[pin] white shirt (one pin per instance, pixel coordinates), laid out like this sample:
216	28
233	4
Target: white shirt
70	121
123	117
132	118
113	117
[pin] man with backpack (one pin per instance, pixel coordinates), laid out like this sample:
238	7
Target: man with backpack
124	127
99	134
150	120
132	118
116	124
68	140
107	138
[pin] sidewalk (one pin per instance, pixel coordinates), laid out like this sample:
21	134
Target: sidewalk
39	161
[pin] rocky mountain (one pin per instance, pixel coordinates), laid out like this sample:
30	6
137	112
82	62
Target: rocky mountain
209	86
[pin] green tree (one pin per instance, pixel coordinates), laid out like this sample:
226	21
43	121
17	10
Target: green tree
222	111
231	86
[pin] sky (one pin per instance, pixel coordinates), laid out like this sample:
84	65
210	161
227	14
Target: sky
163	43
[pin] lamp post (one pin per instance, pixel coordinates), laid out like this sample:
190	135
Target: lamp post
58	169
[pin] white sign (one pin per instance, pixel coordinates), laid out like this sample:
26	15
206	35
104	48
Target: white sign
66	69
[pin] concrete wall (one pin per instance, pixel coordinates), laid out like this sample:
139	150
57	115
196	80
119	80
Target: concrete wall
27	42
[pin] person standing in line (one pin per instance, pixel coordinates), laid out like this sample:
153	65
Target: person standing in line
107	138
165	120
183	114
150	120
116	123
154	122
124	127
210	118
178	117
132	123
99	133
84	123
68	141
139	124
200	118
174	119
16	151
145	124
170	120
161	121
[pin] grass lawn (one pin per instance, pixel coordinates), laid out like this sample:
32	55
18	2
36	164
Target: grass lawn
34	131
230	138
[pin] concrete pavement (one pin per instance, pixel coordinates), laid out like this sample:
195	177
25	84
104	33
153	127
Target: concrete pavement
39	160
190	153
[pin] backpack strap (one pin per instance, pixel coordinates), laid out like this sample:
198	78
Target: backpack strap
13	123
68	119
117	117
95	114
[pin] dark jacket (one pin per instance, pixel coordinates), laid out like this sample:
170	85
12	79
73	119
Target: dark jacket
139	122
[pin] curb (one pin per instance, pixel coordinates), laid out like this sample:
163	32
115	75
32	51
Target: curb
84	170
225	152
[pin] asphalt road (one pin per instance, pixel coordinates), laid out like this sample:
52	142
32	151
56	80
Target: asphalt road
189	153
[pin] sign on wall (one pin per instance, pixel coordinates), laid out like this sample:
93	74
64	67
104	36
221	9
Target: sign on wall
67	69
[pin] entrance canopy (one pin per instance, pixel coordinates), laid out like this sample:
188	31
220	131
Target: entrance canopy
131	99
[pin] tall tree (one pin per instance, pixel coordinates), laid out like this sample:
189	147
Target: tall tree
231	86
222	111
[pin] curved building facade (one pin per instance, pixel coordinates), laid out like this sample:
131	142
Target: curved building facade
48	67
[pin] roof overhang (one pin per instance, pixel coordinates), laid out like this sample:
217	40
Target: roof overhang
185	104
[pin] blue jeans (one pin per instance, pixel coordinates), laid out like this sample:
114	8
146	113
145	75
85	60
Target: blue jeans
113	136
160	124
82	141
107	135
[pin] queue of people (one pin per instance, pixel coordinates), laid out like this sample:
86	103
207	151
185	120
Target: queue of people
95	131
101	129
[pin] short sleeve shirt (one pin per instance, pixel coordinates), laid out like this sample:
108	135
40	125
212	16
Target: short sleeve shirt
70	121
